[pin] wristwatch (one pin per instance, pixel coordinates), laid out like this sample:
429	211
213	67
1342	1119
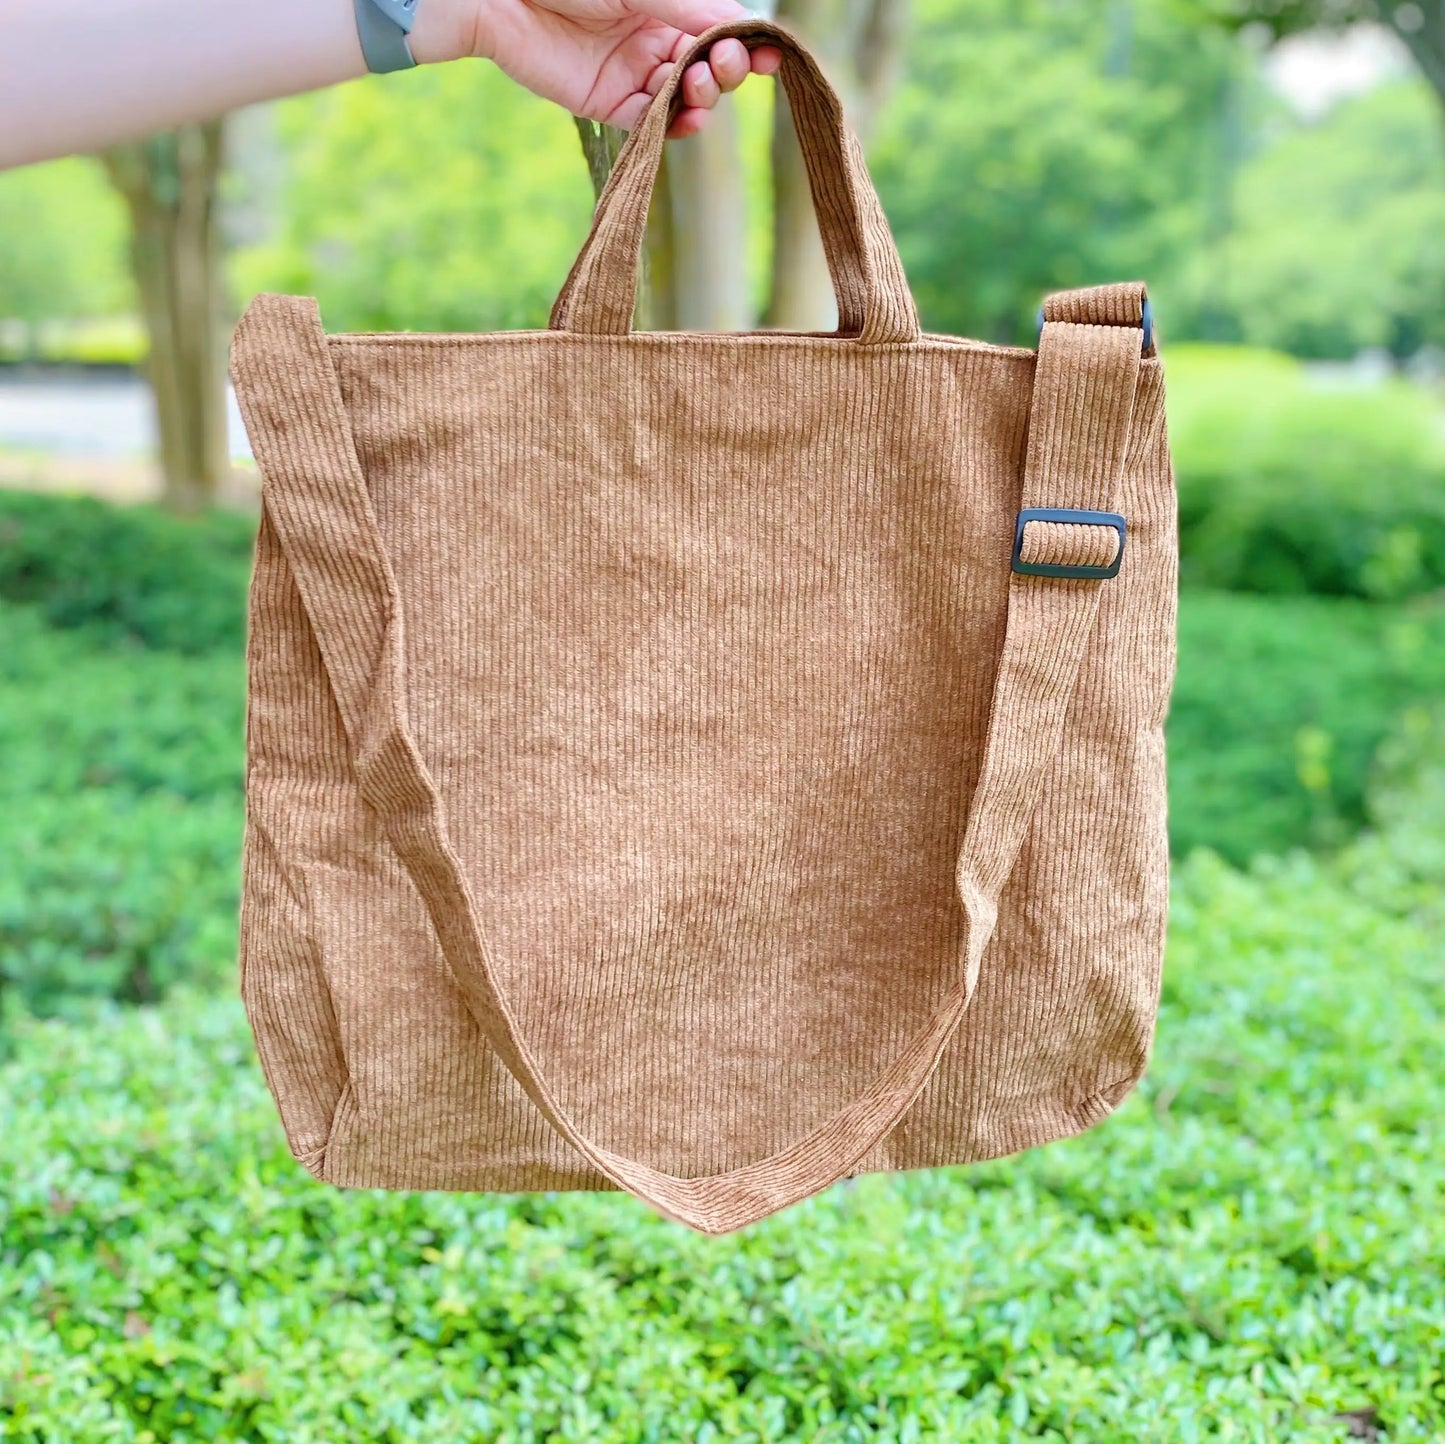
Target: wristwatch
383	26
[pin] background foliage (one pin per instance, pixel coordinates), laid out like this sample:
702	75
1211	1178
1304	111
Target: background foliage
1034	148
133	575
1279	709
120	817
1029	146
1290	485
1249	1251
1331	247
452	201
64	248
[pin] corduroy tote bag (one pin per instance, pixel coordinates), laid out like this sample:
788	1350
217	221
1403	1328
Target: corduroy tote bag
705	765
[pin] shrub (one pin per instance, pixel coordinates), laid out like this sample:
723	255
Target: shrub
120	816
1288	485
1279	706
116	341
1400	864
1244	1252
129	573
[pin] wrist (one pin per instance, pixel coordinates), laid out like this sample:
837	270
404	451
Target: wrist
446	30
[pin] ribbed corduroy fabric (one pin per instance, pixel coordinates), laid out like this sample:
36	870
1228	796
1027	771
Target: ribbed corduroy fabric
658	777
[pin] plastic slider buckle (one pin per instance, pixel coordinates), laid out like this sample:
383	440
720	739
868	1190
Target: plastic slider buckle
1074	518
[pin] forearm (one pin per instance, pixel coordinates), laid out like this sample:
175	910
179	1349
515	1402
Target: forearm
79	75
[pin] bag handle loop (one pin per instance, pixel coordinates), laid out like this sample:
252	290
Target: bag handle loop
875	305
316	497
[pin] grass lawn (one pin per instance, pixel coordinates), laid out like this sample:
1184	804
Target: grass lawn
1252	1249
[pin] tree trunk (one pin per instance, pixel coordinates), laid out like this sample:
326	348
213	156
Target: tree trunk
600	145
707	201
1425	41
800	292
170	186
860	45
694	262
657	290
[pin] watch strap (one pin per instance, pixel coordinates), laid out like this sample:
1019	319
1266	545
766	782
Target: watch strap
383	26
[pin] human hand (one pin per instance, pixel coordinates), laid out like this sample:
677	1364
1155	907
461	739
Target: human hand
601	59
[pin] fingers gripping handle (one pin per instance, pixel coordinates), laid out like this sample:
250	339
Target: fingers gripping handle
874	302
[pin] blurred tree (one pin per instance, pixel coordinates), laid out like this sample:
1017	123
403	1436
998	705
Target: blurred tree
62	235
170	184
1420	24
1042	145
860	45
706	204
601	145
1336	241
478	237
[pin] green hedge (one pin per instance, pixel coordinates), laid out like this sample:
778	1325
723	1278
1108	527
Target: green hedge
127	573
120	816
1288	484
1279	706
1247	1251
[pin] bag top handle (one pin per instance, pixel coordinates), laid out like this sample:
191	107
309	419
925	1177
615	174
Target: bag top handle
875	305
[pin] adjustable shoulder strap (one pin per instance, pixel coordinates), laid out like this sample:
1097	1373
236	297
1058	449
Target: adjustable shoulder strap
315	495
1068	542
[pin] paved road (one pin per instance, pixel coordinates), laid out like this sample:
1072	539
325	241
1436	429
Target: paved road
105	419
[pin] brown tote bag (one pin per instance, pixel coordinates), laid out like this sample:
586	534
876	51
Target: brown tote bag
705	765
